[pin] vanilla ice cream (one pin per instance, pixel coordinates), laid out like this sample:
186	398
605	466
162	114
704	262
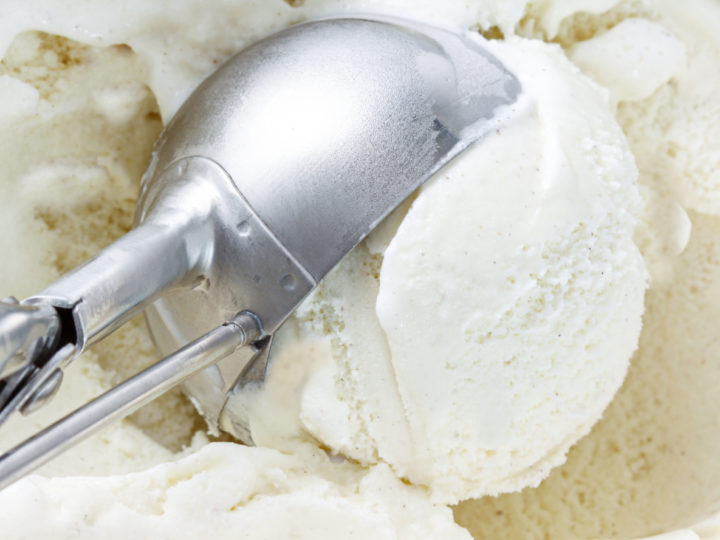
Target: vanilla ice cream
463	348
468	347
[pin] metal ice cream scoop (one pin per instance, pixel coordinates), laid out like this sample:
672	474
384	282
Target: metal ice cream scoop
272	171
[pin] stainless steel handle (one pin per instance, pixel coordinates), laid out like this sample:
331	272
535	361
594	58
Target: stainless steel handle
128	397
170	247
117	283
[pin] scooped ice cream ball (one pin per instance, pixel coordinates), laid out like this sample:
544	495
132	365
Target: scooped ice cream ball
484	328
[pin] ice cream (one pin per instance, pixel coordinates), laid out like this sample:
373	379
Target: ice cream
231	494
649	467
465	343
526	237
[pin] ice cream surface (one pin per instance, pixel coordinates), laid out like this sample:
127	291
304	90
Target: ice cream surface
463	348
255	493
465	343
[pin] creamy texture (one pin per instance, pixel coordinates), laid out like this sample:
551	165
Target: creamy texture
254	493
650	465
77	126
471	352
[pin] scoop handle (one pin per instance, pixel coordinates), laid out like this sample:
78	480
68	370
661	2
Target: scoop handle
85	305
127	397
170	247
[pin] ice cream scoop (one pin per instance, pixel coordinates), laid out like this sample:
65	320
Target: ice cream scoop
271	172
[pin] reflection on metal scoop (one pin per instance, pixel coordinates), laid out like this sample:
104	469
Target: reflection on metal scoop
271	172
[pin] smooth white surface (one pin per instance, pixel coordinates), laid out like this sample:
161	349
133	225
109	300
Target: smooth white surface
632	59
